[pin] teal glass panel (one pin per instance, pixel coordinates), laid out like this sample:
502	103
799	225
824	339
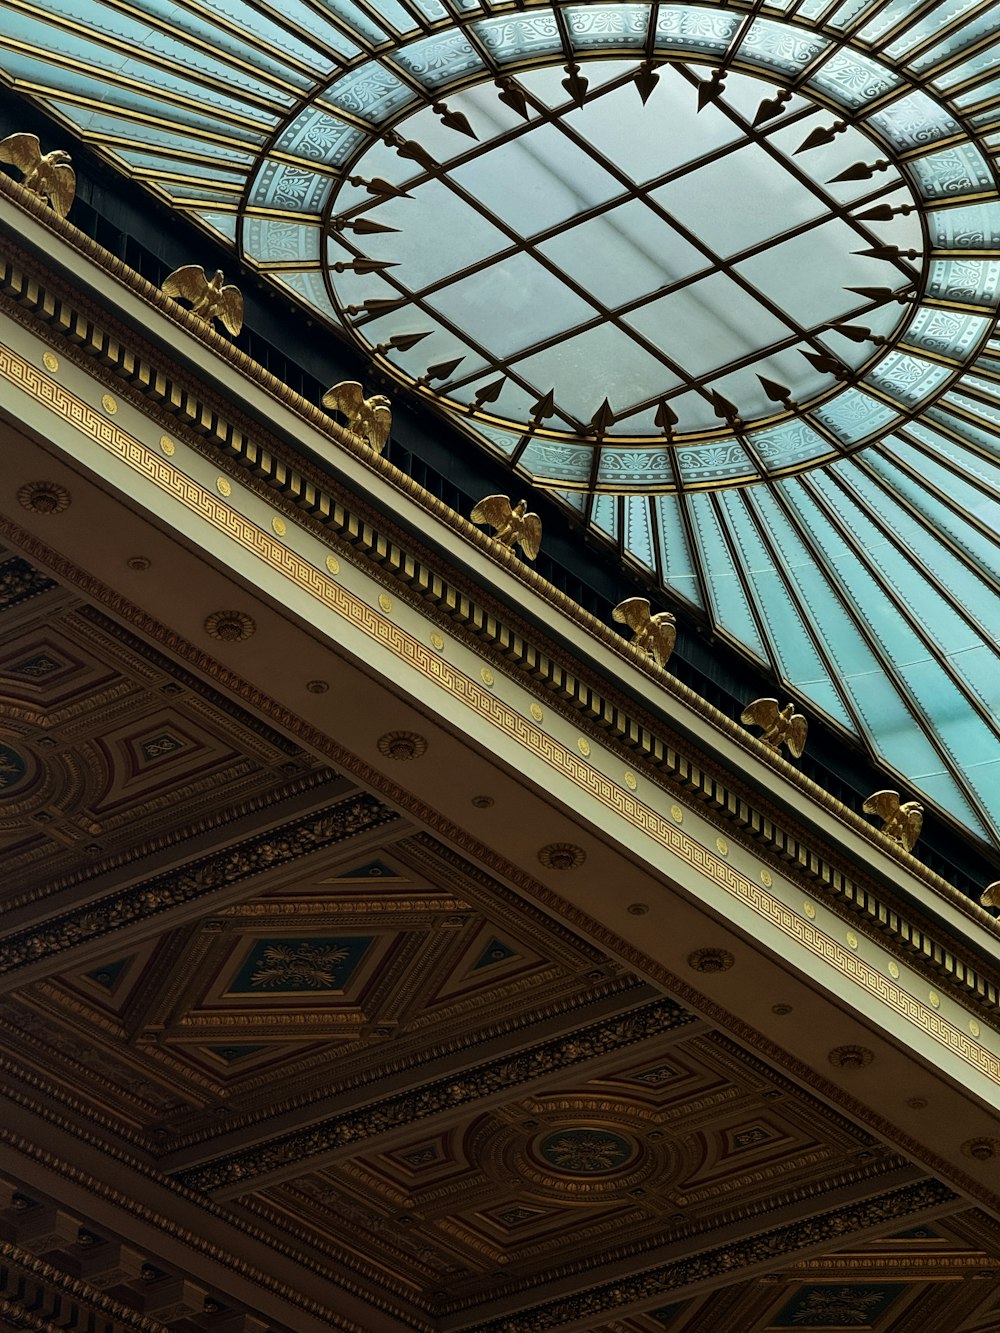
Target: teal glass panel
278	185
320	136
914	120
106	123
285	242
226	179
980	550
604	515
797	659
559	462
283	31
925	550
310	288
370	91
90	60
730	608
959	643
853	80
886	18
701	464
440	59
639	530
983	25
615	26
636	468
964	281
930	24
694	28
854	416
514	36
846	14
366	29
969	460
951	172
183	194
504	440
576	500
961	494
224	223
777	46
786	445
947	332
909	379
974	227
676	561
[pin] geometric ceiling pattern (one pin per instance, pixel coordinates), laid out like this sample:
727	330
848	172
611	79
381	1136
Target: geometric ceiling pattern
723	281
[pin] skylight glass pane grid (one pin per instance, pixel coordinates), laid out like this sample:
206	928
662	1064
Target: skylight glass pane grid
730	607
676	559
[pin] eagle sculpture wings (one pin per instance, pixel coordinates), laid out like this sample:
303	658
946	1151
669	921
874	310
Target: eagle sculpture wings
47	174
209	298
514	525
903	820
655	635
368	417
780	726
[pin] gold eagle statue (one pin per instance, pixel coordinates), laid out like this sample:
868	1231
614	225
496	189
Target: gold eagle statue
514	525
902	819
655	635
780	726
991	894
368	417
47	174
210	298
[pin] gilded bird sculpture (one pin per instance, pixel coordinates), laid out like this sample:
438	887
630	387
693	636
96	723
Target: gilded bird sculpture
368	417
991	894
514	525
655	635
780	726
49	175
210	298
902	820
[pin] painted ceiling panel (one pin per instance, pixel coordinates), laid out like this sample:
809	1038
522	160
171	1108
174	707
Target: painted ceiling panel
723	280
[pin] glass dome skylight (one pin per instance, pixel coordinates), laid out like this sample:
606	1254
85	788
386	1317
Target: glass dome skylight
722	277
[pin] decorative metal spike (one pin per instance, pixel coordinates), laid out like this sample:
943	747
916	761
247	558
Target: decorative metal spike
602	420
381	305
544	407
827	365
888	252
379	186
646	79
513	96
666	418
772	106
723	408
881	294
861	171
410	149
363	226
489	393
575	84
857	333
454	120
880	213
443	370
822	136
402	342
711	89
363	265
778	393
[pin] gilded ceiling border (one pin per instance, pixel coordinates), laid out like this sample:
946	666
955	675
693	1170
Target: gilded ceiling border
619	800
539	671
470	846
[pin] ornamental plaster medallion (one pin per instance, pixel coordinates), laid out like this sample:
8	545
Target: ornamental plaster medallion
230	626
402	745
43	497
711	960
851	1057
561	856
981	1149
